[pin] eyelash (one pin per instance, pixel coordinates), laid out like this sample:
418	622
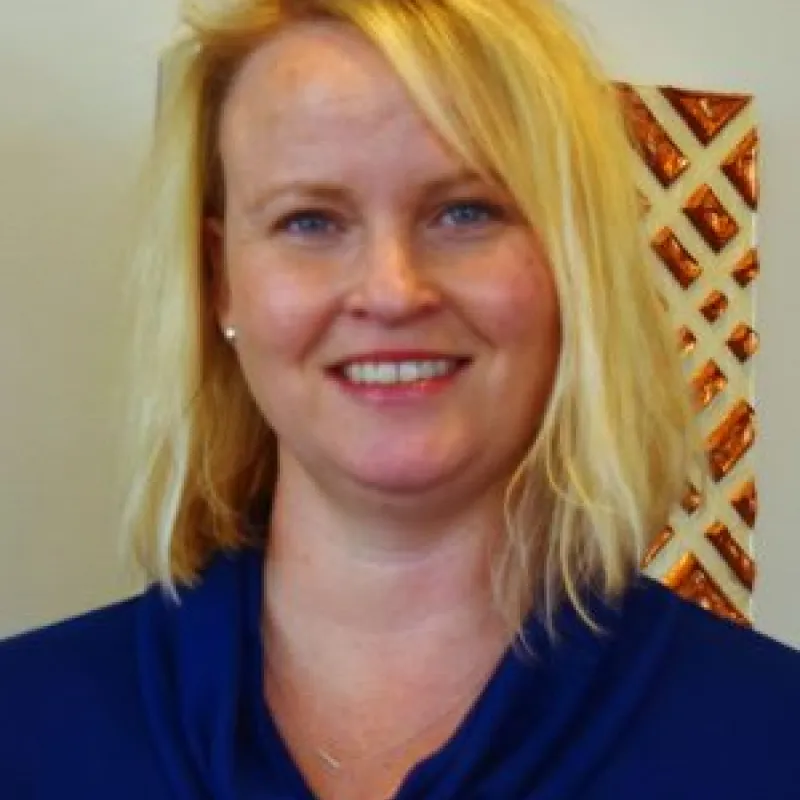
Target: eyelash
489	212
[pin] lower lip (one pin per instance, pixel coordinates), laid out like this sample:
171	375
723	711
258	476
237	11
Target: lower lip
389	394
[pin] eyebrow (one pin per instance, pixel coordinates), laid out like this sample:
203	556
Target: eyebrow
332	191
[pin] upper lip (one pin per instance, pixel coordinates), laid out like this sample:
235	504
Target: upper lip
384	356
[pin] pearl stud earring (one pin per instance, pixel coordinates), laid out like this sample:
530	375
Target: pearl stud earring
229	332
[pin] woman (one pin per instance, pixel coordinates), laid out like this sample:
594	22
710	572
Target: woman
407	415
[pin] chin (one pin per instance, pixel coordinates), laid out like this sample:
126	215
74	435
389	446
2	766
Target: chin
408	476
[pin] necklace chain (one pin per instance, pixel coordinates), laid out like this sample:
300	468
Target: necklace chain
336	765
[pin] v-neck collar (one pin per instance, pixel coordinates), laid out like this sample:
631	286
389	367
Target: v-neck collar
535	726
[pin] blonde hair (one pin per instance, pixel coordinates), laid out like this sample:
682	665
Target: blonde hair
516	94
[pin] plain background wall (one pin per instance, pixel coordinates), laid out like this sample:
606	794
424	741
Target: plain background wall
77	83
77	87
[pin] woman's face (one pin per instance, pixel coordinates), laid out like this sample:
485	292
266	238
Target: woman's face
396	320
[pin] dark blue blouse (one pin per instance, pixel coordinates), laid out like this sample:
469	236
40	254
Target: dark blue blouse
149	700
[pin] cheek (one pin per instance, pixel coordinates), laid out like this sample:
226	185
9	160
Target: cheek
523	312
277	312
532	314
518	306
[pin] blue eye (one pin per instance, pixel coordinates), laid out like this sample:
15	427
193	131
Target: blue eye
472	212
305	223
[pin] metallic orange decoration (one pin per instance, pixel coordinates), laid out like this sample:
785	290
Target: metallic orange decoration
707	384
733	554
657	545
710	218
740	167
692	499
690	580
747	270
677	259
743	342
745	501
653	143
687	341
731	440
700	151
714	306
706	113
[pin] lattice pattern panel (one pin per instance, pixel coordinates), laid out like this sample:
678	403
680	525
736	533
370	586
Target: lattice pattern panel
697	171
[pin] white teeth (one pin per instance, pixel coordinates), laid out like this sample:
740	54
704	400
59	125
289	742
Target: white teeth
427	369
407	371
387	373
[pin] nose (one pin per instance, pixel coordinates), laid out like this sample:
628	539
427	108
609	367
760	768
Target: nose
391	285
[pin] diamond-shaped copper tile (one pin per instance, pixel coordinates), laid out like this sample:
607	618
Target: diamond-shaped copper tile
731	440
732	553
692	499
747	270
745	501
657	545
743	342
707	384
740	167
714	306
678	260
687	341
650	140
689	579
710	218
706	113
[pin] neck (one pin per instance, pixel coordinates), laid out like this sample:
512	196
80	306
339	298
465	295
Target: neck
345	594
380	632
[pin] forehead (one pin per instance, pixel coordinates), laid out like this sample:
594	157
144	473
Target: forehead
320	90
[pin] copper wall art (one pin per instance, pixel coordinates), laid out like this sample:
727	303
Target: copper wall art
696	159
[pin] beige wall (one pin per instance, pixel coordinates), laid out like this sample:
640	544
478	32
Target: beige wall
76	91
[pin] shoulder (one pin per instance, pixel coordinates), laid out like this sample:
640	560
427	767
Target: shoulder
113	703
717	700
67	652
719	652
68	693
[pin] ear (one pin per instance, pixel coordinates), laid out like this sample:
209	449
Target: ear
214	248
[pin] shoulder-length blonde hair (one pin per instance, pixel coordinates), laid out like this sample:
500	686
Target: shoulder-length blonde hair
512	89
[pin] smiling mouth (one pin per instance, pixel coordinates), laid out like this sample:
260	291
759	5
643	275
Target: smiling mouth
392	373
406	372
